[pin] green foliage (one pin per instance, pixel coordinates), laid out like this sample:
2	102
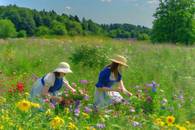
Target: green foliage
174	22
7	29
58	28
21	33
89	56
74	28
42	30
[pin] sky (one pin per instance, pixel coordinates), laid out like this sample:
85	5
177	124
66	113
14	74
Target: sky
137	12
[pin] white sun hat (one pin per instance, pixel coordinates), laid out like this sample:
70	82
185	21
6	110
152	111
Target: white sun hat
63	67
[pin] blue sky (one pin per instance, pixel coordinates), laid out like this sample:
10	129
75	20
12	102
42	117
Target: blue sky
137	12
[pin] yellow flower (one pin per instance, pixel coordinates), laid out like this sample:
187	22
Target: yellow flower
2	100
66	110
90	128
48	112
71	126
24	105
170	120
159	122
85	115
181	127
26	94
1	127
57	122
35	105
187	123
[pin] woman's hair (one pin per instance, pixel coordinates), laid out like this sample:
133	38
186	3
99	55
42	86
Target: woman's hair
114	68
57	74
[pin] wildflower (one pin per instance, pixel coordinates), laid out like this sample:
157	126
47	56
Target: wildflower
24	105
77	112
153	85
48	112
135	123
35	105
20	87
2	100
164	101
170	120
132	110
66	110
1	127
84	82
87	110
57	122
181	127
85	115
46	100
86	97
71	126
159	122
26	94
90	128
187	123
52	106
100	126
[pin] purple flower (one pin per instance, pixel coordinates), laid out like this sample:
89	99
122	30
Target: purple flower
87	110
100	125
153	85
135	123
84	82
77	112
77	103
52	105
86	97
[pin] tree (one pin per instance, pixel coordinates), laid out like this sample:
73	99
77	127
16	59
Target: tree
58	28
21	33
174	22
7	29
42	30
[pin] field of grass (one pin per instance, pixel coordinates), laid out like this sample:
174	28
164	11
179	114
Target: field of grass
170	66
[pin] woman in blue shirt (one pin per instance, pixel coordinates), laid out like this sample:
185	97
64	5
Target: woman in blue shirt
110	83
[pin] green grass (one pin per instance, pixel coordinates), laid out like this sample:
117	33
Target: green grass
173	67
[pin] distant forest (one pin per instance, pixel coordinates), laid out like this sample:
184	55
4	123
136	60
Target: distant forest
29	22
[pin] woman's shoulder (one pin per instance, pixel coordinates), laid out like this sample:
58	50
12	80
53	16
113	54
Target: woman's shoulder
106	69
49	76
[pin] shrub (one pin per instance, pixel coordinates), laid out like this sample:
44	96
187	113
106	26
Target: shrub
89	56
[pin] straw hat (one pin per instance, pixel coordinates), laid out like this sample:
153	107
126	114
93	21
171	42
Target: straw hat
63	67
120	60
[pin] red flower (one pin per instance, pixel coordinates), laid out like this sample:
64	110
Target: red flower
20	87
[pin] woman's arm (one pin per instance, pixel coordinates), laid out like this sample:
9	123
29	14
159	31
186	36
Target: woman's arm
124	90
45	93
69	87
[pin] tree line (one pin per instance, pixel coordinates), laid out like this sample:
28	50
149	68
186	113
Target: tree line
21	22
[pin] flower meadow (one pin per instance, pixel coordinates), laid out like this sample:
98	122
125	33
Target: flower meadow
160	77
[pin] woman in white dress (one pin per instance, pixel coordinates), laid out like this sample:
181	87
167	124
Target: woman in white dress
49	85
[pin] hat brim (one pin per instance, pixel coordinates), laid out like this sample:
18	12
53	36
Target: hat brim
62	70
119	62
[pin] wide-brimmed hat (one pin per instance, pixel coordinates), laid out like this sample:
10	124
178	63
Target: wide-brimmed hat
63	67
120	60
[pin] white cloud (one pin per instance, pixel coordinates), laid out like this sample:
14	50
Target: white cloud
106	1
68	7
